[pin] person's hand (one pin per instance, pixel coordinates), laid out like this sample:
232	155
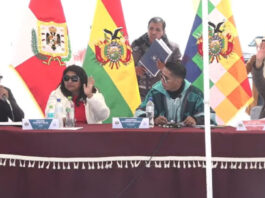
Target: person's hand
260	54
189	121
3	93
140	70
160	120
160	65
88	88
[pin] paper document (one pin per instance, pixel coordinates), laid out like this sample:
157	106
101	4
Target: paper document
70	128
157	51
10	123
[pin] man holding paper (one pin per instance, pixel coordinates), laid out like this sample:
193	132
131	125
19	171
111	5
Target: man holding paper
175	99
156	30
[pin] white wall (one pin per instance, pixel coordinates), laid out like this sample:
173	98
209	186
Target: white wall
178	14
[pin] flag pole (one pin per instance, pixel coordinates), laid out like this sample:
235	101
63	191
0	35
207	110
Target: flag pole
208	150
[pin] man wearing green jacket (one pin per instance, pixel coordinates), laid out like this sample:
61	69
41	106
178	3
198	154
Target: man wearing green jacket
175	99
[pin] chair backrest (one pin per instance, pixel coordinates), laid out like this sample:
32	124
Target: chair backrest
255	112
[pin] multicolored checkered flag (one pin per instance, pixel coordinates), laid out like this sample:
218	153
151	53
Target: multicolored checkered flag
229	85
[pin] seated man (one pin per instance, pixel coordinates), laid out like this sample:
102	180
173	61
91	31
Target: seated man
175	99
8	106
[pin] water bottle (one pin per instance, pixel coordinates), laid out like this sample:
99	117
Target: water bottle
50	112
58	114
70	113
150	112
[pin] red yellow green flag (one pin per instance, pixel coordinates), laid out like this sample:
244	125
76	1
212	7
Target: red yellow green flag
109	60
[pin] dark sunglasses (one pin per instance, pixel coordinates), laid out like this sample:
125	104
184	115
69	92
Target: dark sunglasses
73	78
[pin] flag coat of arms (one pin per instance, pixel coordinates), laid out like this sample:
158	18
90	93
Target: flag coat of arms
42	49
109	60
229	85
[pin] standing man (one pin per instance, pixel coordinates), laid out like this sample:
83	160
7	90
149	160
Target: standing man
156	30
8	105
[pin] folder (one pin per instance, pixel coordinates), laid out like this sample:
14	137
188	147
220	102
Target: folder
157	50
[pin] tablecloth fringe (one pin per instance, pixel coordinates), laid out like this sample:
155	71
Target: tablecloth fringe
102	163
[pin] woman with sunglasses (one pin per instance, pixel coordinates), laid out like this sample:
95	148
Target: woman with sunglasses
90	106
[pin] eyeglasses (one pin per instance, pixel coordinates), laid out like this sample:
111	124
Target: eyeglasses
164	78
73	78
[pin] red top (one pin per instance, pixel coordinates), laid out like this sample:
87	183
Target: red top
80	114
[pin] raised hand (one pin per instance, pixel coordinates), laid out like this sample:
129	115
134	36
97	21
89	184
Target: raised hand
260	54
88	88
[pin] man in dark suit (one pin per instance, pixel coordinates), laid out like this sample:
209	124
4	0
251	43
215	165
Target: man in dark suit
8	105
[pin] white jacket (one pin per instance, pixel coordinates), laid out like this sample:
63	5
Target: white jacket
95	107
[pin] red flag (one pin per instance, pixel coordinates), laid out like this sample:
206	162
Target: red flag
42	49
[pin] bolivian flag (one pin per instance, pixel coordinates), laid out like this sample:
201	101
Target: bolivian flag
109	60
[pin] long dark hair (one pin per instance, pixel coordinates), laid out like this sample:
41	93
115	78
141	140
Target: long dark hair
80	72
